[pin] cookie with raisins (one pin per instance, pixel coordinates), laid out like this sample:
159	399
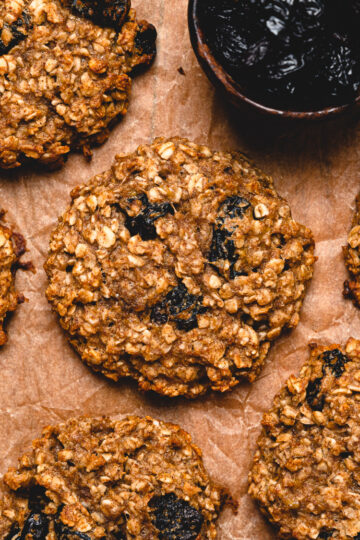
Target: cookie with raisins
66	69
178	267
96	478
306	471
12	247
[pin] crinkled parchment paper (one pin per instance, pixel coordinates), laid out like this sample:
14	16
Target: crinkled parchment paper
316	167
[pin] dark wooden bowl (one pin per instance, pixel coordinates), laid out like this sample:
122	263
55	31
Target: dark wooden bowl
233	90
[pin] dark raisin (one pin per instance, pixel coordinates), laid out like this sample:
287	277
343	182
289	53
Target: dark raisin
119	535
143	223
222	247
37	525
335	360
103	12
345	455
313	396
66	533
176	302
13	533
145	39
187	324
326	533
18	32
174	518
235	206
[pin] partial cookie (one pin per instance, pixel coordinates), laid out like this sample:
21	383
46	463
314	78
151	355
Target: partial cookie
65	74
12	246
103	479
178	267
352	258
306	474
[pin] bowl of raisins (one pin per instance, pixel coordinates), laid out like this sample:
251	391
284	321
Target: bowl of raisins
287	58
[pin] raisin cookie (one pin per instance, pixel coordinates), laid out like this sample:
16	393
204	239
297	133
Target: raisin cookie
178	267
97	478
12	246
352	258
65	74
306	474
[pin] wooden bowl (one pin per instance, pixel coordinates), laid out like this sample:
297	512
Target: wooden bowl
233	90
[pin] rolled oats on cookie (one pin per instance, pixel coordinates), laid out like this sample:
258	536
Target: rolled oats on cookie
97	478
305	475
12	247
65	74
178	267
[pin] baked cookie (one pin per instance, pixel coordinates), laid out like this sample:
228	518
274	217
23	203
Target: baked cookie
306	474
178	267
96	478
12	246
65	74
352	258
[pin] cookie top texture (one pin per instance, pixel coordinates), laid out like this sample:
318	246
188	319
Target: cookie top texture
305	474
12	247
98	478
65	74
178	267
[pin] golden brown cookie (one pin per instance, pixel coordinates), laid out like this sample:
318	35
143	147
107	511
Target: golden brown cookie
352	258
12	246
65	74
178	267
97	478
306	474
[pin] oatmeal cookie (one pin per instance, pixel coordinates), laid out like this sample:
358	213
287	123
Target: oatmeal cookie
97	478
352	258
12	246
305	474
65	74
178	267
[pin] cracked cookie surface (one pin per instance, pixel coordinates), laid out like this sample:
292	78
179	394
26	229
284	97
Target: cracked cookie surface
65	74
352	258
97	478
178	267
305	473
12	246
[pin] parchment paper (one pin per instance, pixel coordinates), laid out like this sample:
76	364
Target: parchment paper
316	167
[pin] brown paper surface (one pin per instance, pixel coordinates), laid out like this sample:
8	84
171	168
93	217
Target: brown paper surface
316	168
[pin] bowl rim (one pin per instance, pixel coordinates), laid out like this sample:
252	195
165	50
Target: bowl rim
217	74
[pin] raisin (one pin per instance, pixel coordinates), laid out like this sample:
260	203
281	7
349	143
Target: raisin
66	533
176	302
175	519
222	247
145	39
103	12
13	533
294	54
315	400
345	455
326	533
335	360
119	535
235	206
143	223
37	498
18	32
37	525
